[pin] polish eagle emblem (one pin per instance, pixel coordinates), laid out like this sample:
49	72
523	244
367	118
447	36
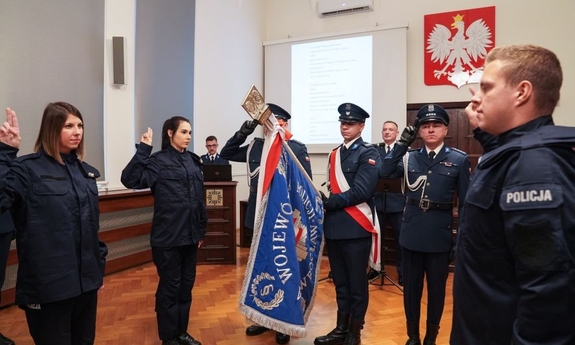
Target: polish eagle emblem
459	54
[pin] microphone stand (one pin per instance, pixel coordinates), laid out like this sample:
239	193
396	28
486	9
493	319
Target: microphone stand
384	187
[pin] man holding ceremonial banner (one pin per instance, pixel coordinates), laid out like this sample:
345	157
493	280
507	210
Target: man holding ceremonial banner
281	275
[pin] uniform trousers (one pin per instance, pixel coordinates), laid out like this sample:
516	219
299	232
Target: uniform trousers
435	268
394	219
176	268
348	260
68	322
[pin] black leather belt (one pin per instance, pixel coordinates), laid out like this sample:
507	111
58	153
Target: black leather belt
426	204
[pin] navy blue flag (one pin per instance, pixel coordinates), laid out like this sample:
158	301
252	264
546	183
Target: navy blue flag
282	272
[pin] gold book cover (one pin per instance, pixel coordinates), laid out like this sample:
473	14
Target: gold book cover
255	106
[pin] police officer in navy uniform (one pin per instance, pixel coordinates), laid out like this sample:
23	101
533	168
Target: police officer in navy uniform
516	238
252	153
175	178
53	199
389	205
433	175
213	157
348	242
6	235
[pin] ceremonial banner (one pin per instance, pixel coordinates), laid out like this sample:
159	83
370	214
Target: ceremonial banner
281	275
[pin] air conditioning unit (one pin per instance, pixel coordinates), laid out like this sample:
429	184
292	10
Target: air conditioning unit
329	8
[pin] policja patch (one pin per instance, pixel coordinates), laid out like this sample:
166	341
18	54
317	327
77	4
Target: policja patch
531	197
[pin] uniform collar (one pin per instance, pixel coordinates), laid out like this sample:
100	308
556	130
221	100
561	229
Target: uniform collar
546	120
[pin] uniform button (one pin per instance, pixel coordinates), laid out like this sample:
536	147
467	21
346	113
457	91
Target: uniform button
428	183
429	172
425	196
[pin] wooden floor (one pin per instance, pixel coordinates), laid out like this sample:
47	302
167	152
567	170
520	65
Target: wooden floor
126	310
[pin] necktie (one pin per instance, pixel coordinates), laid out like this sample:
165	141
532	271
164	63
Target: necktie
387	149
212	158
431	156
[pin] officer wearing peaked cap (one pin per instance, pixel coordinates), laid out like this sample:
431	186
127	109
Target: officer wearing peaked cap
252	154
433	174
352	176
349	112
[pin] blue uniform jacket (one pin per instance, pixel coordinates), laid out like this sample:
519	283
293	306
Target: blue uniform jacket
360	166
233	151
177	183
6	223
429	231
516	242
218	161
388	202
55	211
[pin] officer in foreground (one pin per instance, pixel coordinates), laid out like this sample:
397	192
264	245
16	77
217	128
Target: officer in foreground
516	241
433	175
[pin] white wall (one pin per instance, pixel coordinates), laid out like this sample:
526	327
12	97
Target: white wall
118	99
517	21
228	60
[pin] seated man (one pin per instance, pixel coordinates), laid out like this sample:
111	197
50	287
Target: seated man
213	157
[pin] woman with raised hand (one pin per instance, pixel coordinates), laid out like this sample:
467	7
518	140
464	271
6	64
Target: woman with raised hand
175	178
53	198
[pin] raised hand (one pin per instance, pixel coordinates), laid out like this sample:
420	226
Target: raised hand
409	134
147	137
248	128
10	132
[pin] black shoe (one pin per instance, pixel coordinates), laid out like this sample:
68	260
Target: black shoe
282	338
186	339
256	330
373	274
400	280
170	342
5	341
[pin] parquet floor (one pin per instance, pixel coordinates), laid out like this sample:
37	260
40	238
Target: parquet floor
126	310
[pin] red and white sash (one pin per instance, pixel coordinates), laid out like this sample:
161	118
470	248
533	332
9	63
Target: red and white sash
361	213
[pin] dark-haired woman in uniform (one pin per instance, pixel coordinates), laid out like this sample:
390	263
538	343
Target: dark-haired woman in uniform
175	178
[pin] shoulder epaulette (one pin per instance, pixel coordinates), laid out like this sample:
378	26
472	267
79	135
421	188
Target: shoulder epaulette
454	149
368	144
34	155
338	146
297	142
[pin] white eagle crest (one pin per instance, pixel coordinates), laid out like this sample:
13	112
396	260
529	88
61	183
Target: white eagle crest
456	52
